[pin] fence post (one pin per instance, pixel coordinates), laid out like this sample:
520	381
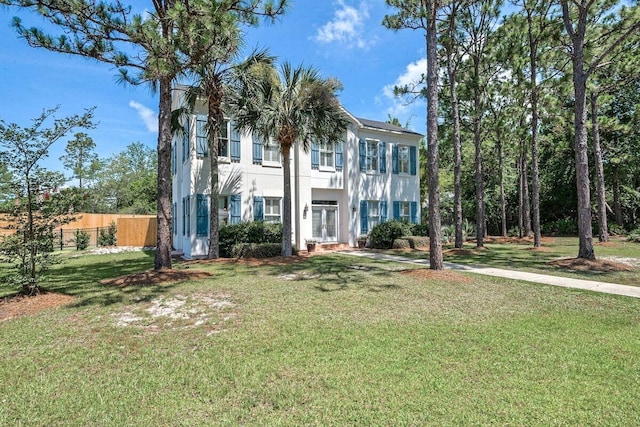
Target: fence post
97	228
61	241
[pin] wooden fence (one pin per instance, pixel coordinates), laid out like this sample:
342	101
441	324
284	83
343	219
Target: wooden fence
132	230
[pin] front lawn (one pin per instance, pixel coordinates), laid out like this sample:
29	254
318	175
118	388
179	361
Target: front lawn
328	340
522	256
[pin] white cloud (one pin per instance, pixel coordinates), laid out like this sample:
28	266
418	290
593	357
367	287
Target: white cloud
347	27
402	108
148	116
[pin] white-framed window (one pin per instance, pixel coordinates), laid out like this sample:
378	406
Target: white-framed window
372	156
405	211
271	153
223	210
223	140
403	159
272	211
327	156
373	212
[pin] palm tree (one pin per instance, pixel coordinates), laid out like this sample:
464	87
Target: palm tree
291	106
214	73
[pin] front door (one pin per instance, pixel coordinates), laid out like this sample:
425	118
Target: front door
325	223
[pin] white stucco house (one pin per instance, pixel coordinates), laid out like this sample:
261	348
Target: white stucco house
339	192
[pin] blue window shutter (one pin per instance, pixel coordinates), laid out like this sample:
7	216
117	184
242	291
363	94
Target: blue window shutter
394	159
202	212
382	148
414	212
188	215
235	209
201	136
363	155
364	217
184	217
315	155
339	156
258	208
173	218
185	140
413	160
235	143
383	211
396	209
257	150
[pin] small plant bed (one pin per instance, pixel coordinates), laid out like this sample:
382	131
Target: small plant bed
600	265
22	305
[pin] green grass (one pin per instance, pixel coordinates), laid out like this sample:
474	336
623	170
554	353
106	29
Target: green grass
520	257
332	340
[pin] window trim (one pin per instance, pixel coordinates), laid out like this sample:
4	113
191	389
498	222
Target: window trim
370	158
265	210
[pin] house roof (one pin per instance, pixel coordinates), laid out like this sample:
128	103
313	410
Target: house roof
374	124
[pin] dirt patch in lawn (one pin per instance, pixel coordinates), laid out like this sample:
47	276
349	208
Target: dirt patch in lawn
440	275
579	264
152	277
22	305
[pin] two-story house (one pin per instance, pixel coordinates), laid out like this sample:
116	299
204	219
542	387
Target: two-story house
339	191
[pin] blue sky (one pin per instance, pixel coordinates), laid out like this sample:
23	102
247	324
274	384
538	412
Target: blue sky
343	39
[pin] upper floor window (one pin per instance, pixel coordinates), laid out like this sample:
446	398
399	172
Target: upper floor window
223	139
372	156
327	155
271	152
403	159
202	144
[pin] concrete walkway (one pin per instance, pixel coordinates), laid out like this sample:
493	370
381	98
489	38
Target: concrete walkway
565	282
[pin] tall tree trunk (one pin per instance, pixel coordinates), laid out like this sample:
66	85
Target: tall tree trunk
435	225
163	246
535	180
603	232
457	143
215	120
585	233
30	288
503	204
526	207
479	179
286	219
617	204
520	199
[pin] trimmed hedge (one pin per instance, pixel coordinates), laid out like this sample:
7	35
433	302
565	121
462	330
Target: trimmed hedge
248	232
256	250
418	241
383	235
402	243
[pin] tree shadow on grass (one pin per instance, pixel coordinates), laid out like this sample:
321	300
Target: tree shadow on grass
330	273
81	279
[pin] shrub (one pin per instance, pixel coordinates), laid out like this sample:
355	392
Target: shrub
256	250
418	241
448	233
383	235
248	232
420	229
402	243
615	229
108	237
82	240
634	236
468	230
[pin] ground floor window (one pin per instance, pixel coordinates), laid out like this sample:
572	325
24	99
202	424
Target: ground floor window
272	209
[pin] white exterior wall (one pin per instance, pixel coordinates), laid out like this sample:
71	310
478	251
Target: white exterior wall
345	188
